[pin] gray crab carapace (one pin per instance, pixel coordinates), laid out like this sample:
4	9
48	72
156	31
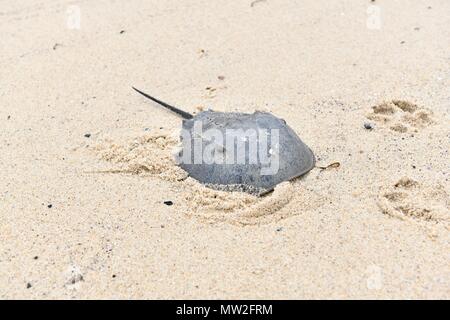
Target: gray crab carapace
240	151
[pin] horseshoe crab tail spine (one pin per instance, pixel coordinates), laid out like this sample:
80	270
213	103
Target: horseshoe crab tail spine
180	112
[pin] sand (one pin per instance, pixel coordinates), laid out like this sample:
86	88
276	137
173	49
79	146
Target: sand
86	172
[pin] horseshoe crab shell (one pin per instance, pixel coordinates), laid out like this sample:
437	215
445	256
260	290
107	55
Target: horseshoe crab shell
240	151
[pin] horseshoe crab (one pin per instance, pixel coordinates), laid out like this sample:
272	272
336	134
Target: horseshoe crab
239	151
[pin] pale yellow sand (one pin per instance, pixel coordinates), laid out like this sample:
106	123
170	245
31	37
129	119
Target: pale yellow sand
377	226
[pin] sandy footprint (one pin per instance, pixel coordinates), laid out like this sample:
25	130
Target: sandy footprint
401	116
288	199
410	200
152	155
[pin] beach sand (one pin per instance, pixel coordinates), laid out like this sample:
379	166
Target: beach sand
93	206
